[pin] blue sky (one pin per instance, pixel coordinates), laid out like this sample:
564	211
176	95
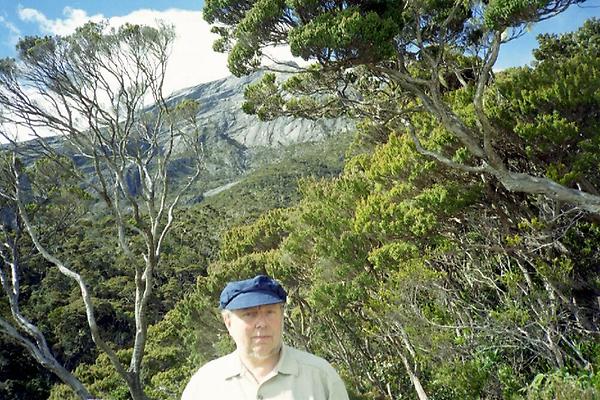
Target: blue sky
518	52
193	61
14	22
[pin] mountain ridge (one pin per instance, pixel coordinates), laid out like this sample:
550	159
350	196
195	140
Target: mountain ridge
235	143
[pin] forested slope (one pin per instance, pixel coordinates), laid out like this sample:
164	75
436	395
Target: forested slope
454	255
418	279
101	230
53	301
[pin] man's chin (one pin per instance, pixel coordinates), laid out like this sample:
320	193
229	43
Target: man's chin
265	352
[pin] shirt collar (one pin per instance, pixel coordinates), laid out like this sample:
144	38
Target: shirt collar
286	365
233	365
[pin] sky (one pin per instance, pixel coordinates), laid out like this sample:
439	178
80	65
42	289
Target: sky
192	60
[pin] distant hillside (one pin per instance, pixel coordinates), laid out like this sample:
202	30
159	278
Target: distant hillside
236	143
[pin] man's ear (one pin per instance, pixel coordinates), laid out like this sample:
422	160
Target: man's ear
227	319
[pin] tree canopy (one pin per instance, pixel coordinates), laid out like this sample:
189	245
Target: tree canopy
99	92
390	60
420	280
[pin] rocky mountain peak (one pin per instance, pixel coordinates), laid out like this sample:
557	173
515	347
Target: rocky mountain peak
221	102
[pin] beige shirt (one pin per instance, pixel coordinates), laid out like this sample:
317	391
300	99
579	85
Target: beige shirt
297	376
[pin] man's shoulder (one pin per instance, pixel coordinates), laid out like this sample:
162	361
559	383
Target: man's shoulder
318	371
207	377
219	367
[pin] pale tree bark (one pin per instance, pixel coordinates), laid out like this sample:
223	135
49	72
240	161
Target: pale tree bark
65	270
42	354
414	379
27	334
95	94
352	348
479	142
411	368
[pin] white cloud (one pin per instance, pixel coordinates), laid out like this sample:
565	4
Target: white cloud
73	18
14	32
192	59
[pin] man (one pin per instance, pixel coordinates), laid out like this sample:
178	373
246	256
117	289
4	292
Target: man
262	367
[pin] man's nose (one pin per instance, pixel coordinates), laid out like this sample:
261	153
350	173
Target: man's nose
261	320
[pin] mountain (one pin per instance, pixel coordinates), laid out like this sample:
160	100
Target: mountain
236	144
221	101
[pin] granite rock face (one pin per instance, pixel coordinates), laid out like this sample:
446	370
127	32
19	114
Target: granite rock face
221	103
235	143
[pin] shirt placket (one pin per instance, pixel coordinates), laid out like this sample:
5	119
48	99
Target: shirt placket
250	387
252	390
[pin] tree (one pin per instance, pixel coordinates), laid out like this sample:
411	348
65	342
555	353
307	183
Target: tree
100	91
390	60
405	262
12	266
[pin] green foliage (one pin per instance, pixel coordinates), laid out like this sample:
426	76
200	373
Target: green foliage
273	180
269	99
561	385
100	378
399	264
554	47
459	379
360	32
263	235
502	14
267	91
551	108
347	34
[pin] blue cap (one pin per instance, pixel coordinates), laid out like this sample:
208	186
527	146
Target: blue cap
257	291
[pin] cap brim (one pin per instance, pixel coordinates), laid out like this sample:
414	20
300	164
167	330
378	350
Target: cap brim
252	299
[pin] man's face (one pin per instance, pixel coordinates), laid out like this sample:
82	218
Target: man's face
256	331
